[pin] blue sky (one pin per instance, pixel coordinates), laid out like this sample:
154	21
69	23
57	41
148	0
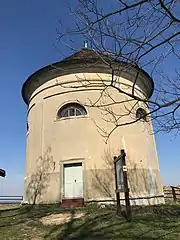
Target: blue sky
28	35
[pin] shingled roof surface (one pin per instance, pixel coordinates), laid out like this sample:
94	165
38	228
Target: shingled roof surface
86	55
83	53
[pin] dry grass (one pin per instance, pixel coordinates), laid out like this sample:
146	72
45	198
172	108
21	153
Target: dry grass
93	222
60	218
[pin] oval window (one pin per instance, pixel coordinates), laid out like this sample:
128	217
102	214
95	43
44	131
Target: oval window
141	114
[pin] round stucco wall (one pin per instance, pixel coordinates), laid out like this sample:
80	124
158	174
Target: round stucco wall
51	142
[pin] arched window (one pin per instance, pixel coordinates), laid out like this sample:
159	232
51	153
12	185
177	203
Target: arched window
141	114
70	110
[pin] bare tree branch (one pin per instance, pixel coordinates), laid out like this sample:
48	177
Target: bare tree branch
140	34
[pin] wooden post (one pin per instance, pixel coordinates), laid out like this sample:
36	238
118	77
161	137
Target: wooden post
117	193
174	194
126	189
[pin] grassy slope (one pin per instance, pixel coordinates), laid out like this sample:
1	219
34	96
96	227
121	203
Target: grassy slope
161	222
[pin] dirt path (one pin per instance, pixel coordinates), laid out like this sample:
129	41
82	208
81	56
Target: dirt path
60	218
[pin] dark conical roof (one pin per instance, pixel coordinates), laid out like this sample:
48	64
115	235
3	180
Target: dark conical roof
84	60
84	53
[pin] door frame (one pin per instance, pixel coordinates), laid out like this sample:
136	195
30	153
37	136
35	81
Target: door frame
62	182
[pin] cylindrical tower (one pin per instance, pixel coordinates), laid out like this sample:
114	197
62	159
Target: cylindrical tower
67	158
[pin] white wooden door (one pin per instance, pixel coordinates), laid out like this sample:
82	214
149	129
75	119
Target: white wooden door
73	180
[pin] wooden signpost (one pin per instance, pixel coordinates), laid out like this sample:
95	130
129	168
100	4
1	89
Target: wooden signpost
121	182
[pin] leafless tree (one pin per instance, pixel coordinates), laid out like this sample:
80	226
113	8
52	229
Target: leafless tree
39	180
144	34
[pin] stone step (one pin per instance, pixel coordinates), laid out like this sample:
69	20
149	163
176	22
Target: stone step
72	202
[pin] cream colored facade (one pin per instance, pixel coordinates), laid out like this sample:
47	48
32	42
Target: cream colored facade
53	142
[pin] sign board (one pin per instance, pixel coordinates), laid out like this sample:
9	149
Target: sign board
122	183
119	172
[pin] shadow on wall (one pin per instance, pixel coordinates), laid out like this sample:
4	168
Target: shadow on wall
103	180
39	181
142	182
